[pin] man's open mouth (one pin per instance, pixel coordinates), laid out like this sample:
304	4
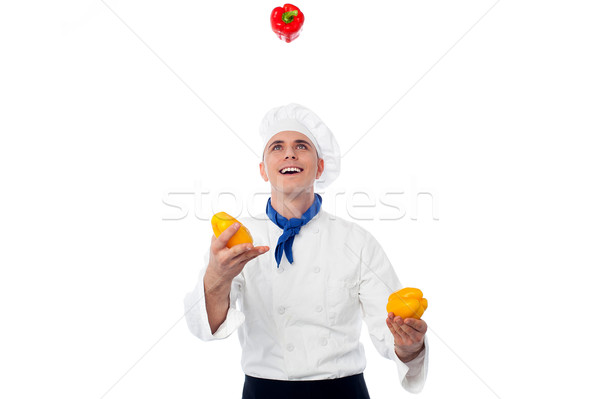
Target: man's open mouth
290	171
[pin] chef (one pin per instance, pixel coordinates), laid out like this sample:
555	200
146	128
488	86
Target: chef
298	300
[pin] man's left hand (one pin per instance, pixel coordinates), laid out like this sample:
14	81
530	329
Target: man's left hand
409	336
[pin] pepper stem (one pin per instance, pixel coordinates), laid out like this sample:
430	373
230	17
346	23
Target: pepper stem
288	16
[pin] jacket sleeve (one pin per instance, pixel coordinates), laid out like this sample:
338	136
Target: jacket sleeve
197	317
378	280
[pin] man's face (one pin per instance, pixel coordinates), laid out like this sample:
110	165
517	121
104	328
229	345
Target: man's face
290	162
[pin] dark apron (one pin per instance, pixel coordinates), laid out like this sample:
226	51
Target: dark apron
352	387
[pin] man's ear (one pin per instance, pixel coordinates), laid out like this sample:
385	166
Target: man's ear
320	167
263	171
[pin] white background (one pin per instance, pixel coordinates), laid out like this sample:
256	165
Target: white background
97	133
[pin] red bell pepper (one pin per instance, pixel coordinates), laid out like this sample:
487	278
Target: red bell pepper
287	22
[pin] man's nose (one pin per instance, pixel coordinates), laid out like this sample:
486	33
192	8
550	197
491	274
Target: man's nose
289	153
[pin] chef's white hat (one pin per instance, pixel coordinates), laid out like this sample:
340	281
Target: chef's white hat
297	118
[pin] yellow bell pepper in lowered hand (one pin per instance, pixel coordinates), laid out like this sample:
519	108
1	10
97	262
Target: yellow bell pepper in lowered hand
407	302
222	220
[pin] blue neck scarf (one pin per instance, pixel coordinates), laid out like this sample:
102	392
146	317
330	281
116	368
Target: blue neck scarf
290	227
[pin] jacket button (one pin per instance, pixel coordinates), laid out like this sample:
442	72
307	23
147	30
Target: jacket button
317	269
281	310
323	341
319	308
290	347
280	269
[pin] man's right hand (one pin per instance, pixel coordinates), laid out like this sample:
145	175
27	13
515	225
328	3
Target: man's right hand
226	263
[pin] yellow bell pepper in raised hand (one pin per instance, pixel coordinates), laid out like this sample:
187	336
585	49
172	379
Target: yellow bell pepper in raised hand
407	302
222	220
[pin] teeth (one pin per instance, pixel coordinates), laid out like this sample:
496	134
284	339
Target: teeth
285	170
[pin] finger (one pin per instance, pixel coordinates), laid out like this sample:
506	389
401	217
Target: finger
395	319
213	244
238	250
419	325
411	333
396	324
223	239
390	325
251	254
415	335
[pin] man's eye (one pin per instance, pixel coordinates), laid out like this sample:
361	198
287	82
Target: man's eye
276	146
302	146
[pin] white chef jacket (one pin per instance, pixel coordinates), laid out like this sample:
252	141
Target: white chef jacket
302	321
